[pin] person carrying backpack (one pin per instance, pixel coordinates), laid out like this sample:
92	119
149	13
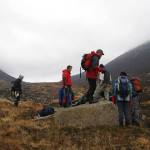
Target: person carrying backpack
66	93
16	89
136	98
123	93
103	85
90	63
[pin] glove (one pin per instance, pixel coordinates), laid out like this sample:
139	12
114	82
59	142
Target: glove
114	100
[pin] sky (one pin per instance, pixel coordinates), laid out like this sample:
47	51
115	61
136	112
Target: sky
39	38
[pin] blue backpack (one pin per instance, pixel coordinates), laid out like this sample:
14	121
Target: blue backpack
64	97
123	87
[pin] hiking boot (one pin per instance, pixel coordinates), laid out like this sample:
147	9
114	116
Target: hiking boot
16	103
84	100
127	124
135	123
81	101
121	124
93	101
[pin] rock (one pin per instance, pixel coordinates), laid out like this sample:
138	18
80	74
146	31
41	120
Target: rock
87	115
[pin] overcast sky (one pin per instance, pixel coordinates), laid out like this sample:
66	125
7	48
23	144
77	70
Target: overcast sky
39	38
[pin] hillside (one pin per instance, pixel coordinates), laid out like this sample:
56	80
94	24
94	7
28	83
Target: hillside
134	62
5	76
18	131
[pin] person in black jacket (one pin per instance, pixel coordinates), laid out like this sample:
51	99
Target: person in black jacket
16	89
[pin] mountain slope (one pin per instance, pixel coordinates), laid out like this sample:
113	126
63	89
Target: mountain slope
134	62
5	76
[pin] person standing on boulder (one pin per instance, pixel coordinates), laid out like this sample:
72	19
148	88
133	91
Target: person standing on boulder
92	74
16	89
123	93
67	81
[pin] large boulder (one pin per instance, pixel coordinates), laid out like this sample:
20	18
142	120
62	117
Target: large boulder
87	115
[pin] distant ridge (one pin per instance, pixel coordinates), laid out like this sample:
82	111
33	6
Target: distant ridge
5	76
134	62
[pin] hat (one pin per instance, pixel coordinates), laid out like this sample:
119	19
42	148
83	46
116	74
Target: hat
100	51
102	66
123	74
21	76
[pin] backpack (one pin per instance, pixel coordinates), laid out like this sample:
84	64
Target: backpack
86	61
123	87
137	86
46	111
64	97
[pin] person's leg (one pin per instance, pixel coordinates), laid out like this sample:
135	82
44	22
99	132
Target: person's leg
72	93
65	99
97	93
89	89
17	98
120	111
69	96
92	83
127	113
92	87
106	92
136	111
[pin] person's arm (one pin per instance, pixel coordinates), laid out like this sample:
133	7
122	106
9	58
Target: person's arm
115	89
114	93
64	78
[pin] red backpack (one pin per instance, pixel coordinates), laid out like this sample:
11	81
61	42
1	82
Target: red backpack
86	61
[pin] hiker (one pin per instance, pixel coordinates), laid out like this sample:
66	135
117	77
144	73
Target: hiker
103	85
67	94
90	63
16	89
45	111
123	94
92	74
136	98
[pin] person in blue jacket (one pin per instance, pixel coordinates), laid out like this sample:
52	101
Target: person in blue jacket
123	93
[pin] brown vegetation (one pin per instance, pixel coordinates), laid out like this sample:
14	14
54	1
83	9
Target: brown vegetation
18	131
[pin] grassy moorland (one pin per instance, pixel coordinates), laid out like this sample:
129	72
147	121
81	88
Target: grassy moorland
19	131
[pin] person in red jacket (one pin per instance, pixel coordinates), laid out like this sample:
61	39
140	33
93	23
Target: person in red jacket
66	80
92	74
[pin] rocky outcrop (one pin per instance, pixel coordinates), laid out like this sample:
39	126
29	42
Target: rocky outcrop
87	115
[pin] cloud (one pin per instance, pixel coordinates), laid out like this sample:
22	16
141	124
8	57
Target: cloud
40	38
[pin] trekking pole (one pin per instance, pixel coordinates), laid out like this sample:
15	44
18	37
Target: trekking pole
80	72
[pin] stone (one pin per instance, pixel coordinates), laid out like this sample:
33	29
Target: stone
98	114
